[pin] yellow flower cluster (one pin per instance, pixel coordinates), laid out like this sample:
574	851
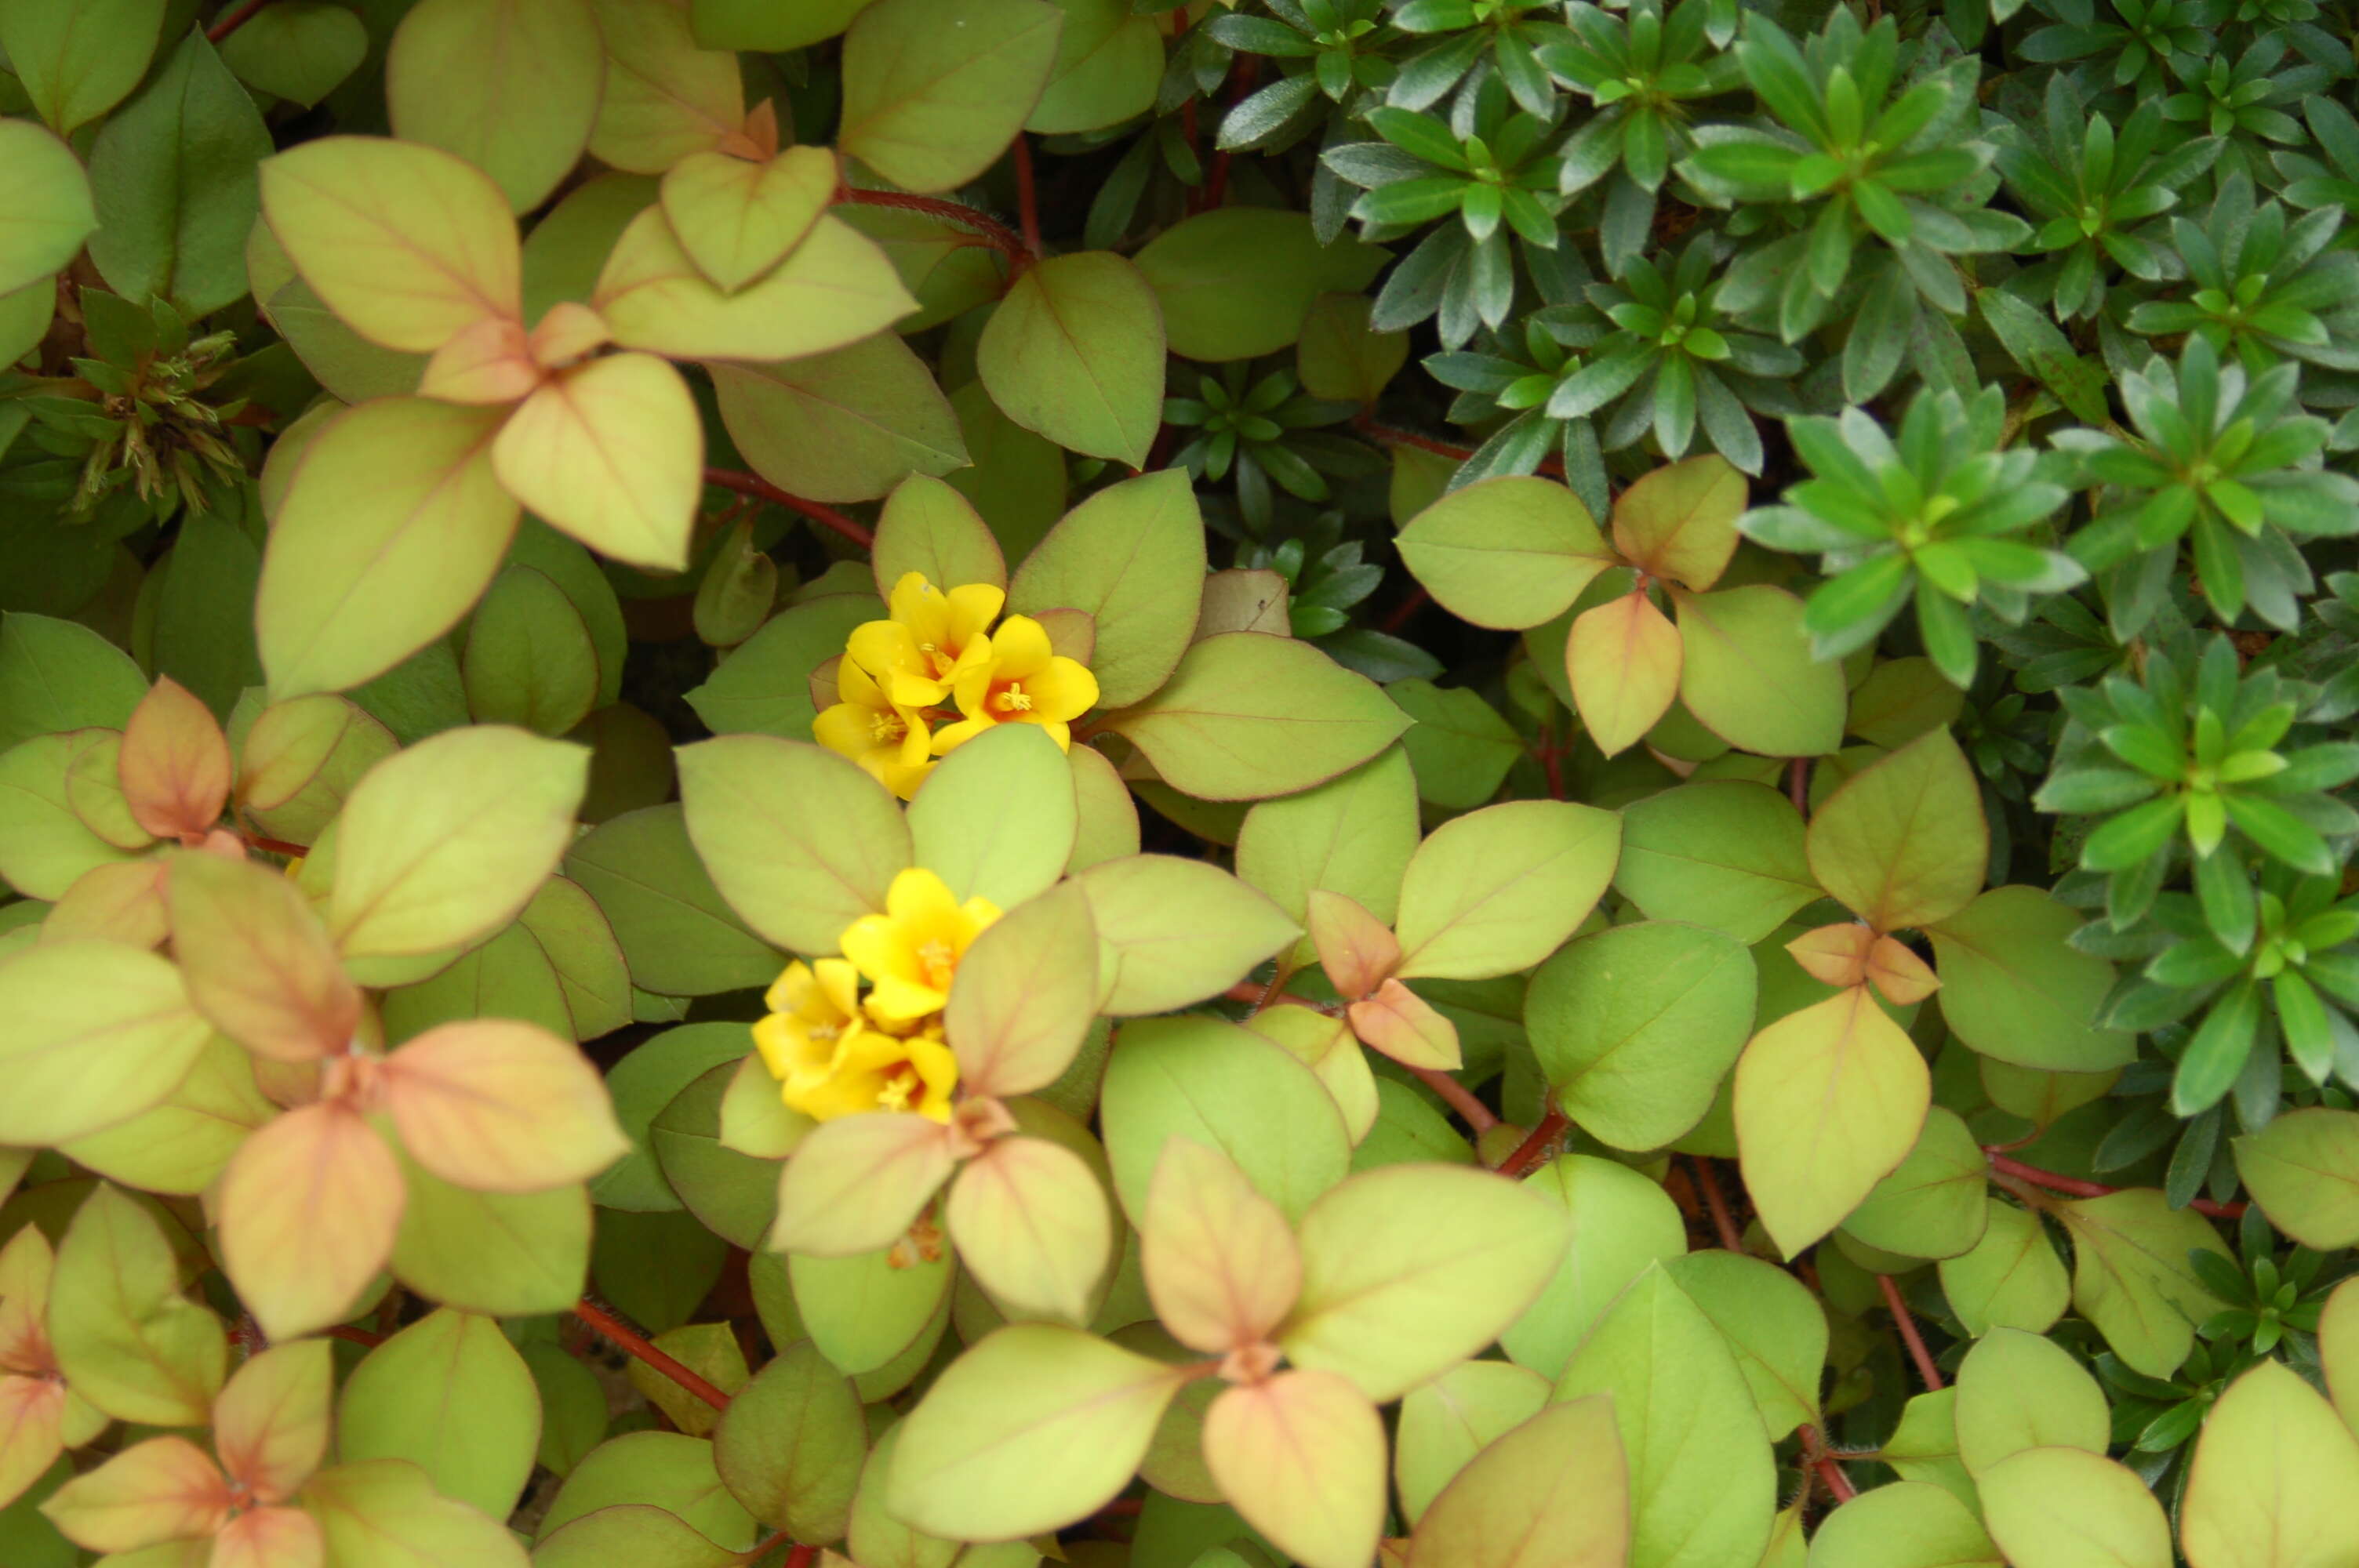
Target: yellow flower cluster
836	1053
938	661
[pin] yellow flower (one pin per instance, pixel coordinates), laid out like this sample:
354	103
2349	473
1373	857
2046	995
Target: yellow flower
909	952
885	738
1022	683
932	638
830	1060
898	1072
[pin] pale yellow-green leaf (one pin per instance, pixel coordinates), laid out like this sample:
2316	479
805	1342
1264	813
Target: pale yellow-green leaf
1238	282
1622	1221
934	90
1903	842
2338	1350
611	452
1219	1259
2010	1279
182	1143
1075	353
996	819
45	205
2273	1475
127	1339
512	86
1937	1203
1447	1422
1622	659
1024	996
1409	1269
2068	1508
849	425
1132	557
1301	1457
928	528
2018	1391
308	1211
1353	835
1828	1101
2131	1277
666	97
76	61
46	844
1552	1493
392	525
1909	1524
1497	890
501	1105
408	245
1680	521
97	1032
150	1493
1032	1429
855	1184
1176	932
737	218
1773	1324
1746	673
385	1513
835	287
1924	1445
1109	63
2303	1170
1033	1226
864	1314
1509	552
449	1394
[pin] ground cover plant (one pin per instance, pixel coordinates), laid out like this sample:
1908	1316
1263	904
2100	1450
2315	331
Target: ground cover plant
1457	784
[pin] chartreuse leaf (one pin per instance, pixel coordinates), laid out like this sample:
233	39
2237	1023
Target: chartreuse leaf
759	25
1497	890
182	1143
512	86
1214	1083
2131	1277
2013	988
2069	1506
631	1533
2010	1279
866	1312
503	1253
451	839
1774	1326
1828	1101
928	528
2019	1390
1679	522
847	426
1176	932
1702	1484
408	244
709	1350
1746	673
78	61
678	935
300	53
98	1032
1246	716
1934	1205
1446	1423
2273	1473
529	660
656	1469
2338	1350
1353	835
59	675
1909	1524
385	1513
46	846
934	90
1720	853
835	287
257	961
1622	659
996	819
1024	996
47	202
1238	282
1636	1026
1033	1226
125	1338
764	685
1410	1268
1903	842
449	1394
2303	1170
1553	1491
1924	1445
737	217
1621	1222
1035	1427
393	523
666	97
799	840
1132	557
611	452
791	1444
1509	552
1075	353
1301	1456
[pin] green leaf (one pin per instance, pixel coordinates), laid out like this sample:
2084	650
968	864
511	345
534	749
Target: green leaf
392	526
678	935
385	1513
77	63
59	675
1075	353
46	844
658	1469
1774	1326
2271	1470
449	1394
2018	1391
1720	853
844	425
2010	1279
1909	1524
2131	1278
732	1192
1246	716
204	627
1214	1083
1410	1268
1353	835
666	98
1034	1228
1445	1424
934	90
2303	1170
1238	282
739	215
1109	63
127	1339
833	290
173	176
1636	1026
799	840
181	1144
1034	1427
1622	1221
451	839
2067	1505
1828	1101
1132	558
98	1032
529	660
641	1085
2015	990
1026	995
792	1443
866	1312
1176	932
1341	358
997	819
634	1533
1509	552
2034	342
1460	747
1557	1483
1702	1484
929	528
1498	889
1747	675
764	685
762	25
509	1254
1903	842
48	203
1936	1203
301	50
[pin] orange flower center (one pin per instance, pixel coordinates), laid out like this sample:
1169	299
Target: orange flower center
936	960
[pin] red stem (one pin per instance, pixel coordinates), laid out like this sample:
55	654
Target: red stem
762	489
1529	1153
1459	1098
1394	436
1829	1470
355	1336
1407	610
1028	203
1798	783
2075	1188
234	21
999	236
634	1343
1904	1321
